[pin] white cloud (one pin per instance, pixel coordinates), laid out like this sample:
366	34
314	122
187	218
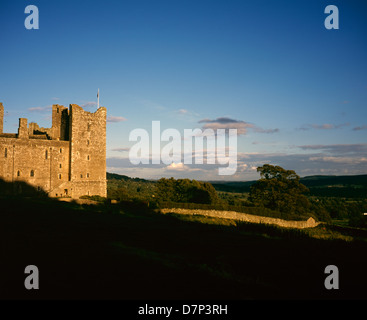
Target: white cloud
121	149
338	148
111	119
343	160
325	126
228	123
88	104
40	109
176	166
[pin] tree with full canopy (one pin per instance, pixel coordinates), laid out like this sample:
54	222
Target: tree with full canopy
279	189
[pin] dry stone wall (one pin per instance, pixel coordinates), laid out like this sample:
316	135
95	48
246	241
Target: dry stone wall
310	223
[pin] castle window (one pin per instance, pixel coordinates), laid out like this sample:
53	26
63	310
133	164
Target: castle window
46	154
6	153
87	175
60	150
88	157
81	176
59	176
32	173
88	142
18	173
58	110
60	165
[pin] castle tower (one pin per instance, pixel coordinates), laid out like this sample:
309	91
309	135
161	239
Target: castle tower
87	133
1	118
60	123
23	129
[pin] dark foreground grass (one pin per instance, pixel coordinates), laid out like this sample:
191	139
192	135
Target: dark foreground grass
109	252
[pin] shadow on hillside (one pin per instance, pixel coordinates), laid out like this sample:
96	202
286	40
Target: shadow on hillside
106	251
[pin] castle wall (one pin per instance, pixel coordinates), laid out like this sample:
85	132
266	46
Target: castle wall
41	163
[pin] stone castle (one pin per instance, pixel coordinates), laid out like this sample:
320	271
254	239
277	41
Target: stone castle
66	160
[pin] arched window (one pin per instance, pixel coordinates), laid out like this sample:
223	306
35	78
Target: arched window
18	173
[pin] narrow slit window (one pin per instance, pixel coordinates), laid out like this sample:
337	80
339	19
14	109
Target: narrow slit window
32	173
6	153
46	154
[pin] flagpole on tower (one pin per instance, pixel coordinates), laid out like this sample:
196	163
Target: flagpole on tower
98	99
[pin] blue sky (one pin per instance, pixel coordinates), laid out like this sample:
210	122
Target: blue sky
296	90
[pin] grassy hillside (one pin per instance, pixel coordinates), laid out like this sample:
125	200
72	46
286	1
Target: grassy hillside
117	252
